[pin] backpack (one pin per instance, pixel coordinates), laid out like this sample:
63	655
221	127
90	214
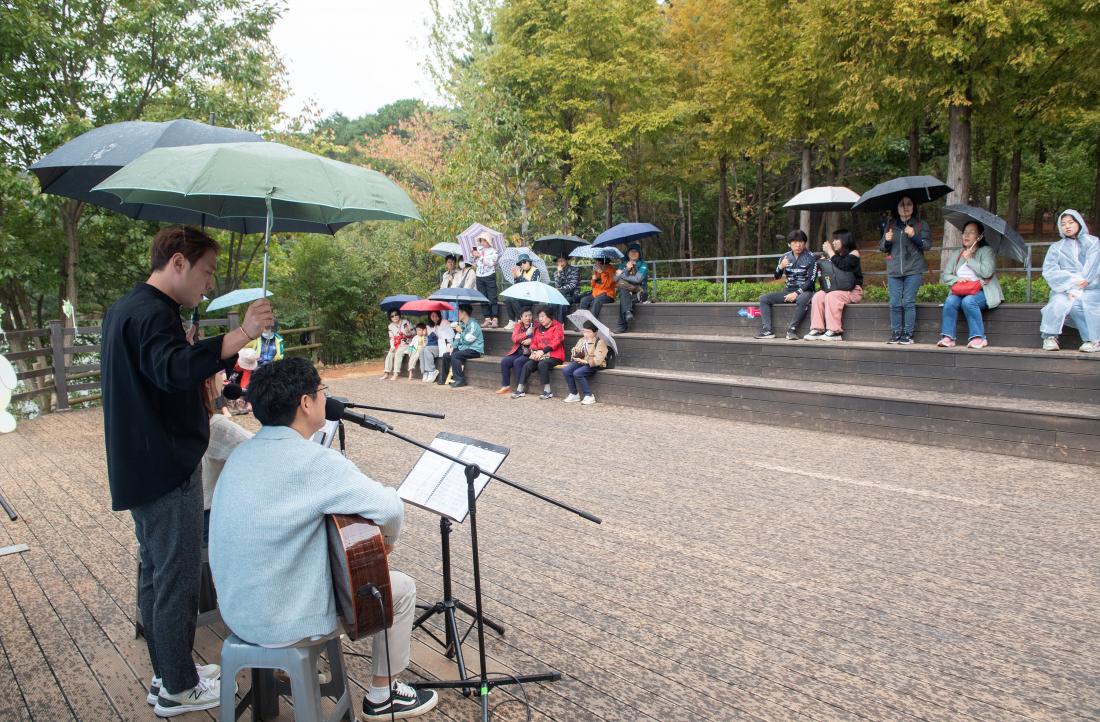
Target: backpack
834	279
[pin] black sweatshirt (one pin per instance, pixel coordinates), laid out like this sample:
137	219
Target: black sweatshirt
849	262
154	422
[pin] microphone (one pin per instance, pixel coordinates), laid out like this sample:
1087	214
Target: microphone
336	410
234	392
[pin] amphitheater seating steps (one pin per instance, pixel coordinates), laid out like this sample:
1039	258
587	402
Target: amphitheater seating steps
700	359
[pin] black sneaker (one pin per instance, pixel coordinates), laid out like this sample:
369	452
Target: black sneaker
894	338
620	328
791	335
405	702
765	334
629	317
905	340
832	336
546	395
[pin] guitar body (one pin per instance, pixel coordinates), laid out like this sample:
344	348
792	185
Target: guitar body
357	558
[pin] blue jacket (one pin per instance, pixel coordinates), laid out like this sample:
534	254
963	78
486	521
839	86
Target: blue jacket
471	338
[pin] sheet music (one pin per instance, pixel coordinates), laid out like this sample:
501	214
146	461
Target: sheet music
439	485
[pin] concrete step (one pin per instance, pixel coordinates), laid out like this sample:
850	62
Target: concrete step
1048	430
1068	376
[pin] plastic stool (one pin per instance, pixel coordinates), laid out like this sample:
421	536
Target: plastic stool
300	664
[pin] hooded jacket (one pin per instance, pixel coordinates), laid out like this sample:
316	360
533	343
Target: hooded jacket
1068	262
905	255
641	270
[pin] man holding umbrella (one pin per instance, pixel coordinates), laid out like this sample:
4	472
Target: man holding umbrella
156	430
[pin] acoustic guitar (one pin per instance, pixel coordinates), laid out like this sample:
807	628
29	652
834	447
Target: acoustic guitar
357	559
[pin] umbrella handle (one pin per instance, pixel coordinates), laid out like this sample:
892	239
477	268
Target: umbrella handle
267	237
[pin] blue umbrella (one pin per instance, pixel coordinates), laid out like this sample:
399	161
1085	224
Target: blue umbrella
394	303
607	254
625	233
236	298
459	295
536	292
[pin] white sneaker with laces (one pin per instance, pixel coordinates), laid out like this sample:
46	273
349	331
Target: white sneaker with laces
510	326
588	400
206	671
1050	344
204	695
1089	347
571	398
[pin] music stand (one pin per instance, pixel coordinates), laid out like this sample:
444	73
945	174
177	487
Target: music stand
439	486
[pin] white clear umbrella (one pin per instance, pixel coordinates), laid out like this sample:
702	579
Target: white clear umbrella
446	248
823	198
510	259
579	317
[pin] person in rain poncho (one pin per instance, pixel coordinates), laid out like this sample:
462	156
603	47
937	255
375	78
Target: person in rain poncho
1072	270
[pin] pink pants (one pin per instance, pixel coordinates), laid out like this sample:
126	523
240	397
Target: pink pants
827	309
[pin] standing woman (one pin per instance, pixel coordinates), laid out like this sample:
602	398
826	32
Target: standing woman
971	273
485	259
905	240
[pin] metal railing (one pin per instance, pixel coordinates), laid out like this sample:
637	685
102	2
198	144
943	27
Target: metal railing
724	263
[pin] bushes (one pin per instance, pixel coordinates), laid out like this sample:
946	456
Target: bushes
1014	287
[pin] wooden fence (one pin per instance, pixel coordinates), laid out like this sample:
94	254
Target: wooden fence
55	380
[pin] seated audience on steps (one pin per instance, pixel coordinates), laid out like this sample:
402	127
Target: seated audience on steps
842	283
604	287
567	279
800	268
401	335
438	346
524	271
632	276
523	332
1072	270
547	351
971	274
588	356
469	342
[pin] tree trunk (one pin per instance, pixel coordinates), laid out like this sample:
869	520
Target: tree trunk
994	180
723	208
1013	213
690	238
1096	193
1037	218
914	148
760	221
70	220
958	168
607	215
682	221
807	161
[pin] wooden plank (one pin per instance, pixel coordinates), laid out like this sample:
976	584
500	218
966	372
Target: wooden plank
33	353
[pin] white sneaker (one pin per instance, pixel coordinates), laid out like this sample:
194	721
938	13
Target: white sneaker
1050	344
432	376
813	335
588	400
1089	347
571	398
510	326
206	671
204	695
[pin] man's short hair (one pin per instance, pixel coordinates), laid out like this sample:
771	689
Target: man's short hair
191	242
469	309
277	388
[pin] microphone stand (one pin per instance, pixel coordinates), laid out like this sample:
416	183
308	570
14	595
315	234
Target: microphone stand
481	684
429	414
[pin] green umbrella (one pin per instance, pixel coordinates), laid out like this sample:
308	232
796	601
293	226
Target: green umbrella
260	180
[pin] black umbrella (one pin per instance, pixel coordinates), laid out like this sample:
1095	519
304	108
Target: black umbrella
87	160
1000	236
394	303
885	196
558	246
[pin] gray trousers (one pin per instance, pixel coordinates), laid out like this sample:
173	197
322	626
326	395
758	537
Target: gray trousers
428	355
169	534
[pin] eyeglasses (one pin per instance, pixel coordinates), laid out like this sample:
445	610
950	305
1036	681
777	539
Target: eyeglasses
320	390
971	233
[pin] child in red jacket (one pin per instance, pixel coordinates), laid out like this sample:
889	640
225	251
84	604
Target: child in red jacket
547	351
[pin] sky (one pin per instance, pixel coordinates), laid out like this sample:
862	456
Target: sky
354	56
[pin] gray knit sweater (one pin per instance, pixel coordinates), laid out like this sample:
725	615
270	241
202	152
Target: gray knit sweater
268	545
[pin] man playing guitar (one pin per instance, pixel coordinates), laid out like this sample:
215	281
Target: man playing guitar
268	543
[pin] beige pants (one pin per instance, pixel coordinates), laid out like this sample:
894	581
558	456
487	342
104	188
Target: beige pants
403	589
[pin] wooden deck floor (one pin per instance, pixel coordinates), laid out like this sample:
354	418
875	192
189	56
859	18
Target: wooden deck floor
742	572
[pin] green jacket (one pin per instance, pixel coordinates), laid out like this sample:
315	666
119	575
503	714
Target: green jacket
984	264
